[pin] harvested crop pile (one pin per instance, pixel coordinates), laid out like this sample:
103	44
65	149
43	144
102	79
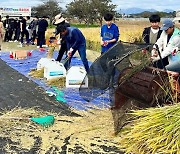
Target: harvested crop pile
91	132
37	73
155	130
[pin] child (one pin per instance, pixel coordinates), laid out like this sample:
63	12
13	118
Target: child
109	33
152	33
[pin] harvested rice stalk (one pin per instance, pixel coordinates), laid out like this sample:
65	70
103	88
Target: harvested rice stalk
59	82
50	52
155	130
37	73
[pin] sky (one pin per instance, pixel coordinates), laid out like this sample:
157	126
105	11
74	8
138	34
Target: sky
159	5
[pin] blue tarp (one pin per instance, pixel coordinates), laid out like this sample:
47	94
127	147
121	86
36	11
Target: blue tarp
71	95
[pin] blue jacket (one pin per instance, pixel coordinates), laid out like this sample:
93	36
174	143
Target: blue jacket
109	34
74	38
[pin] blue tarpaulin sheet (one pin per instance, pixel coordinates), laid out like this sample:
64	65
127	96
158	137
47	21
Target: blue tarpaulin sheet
71	95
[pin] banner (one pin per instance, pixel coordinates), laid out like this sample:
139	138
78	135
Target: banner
4	11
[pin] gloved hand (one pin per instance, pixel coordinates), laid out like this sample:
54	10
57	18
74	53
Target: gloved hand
154	53
69	53
175	50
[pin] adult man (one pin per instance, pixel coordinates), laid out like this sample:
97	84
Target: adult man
171	49
75	41
59	20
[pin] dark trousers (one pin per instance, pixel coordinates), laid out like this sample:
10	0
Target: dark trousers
6	36
34	35
161	65
17	34
82	52
24	32
10	34
62	50
41	38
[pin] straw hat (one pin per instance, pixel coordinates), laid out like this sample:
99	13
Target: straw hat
177	18
58	19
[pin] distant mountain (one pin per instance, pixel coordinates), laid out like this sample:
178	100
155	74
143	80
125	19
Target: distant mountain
139	10
168	10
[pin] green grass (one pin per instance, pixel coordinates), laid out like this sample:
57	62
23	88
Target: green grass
77	25
84	26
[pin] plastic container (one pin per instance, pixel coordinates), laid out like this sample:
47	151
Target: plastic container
18	54
54	69
43	62
29	53
75	76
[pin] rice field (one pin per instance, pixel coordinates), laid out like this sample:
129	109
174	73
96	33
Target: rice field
130	31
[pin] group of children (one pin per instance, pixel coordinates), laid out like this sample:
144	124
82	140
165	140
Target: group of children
15	29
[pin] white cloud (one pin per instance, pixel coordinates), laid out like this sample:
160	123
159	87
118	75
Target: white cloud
19	3
144	4
148	4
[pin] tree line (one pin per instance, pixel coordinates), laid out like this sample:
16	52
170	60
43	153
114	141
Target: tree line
85	11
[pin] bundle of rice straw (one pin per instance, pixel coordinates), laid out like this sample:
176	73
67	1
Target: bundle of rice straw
59	82
154	130
37	73
50	52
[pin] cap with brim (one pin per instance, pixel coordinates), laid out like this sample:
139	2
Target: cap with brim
58	16
177	18
59	20
167	24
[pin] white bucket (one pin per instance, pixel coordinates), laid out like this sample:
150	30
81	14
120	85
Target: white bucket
75	77
54	69
43	62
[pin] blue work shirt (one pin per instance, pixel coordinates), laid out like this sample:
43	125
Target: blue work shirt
74	38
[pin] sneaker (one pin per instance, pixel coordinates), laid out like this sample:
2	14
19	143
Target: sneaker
38	47
10	41
44	46
15	41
